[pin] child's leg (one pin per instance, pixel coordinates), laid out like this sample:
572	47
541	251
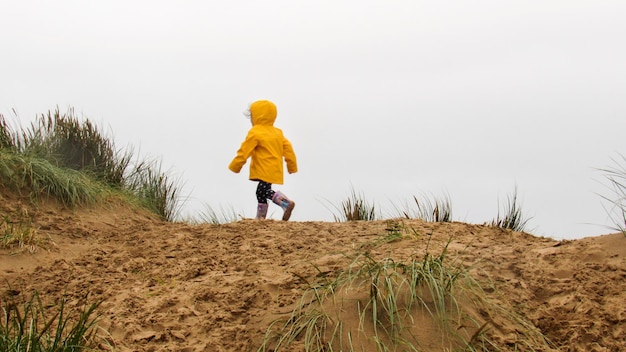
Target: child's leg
263	193
285	203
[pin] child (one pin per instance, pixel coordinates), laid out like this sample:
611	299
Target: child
267	146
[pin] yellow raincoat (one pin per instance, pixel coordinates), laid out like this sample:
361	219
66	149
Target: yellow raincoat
266	145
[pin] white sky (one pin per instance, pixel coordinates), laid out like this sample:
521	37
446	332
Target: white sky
393	98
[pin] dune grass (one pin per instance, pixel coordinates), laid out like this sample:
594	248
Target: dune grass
354	208
616	176
212	216
62	156
427	208
156	190
69	142
388	305
7	134
38	178
32	326
511	217
18	234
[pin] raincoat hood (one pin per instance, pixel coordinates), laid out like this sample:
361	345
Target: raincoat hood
263	113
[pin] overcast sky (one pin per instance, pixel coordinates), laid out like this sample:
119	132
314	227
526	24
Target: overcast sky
392	98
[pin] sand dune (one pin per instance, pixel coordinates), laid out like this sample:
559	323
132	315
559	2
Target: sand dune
180	287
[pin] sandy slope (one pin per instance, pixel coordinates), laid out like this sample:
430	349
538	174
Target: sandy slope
179	287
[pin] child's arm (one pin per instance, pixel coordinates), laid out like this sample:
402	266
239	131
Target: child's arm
243	153
290	157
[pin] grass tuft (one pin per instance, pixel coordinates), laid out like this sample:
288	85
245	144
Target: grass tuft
30	326
427	208
70	159
8	137
19	234
40	178
512	217
68	142
354	208
156	190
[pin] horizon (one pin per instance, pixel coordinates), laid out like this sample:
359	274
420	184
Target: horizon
383	210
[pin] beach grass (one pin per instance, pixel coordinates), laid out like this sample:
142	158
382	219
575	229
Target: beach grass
62	156
157	190
211	215
354	208
511	216
39	177
616	177
30	325
426	207
18	234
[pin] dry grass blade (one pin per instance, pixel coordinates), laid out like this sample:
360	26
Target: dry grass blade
616	176
7	135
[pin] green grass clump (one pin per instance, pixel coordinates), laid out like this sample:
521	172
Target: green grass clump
67	158
155	189
512	217
31	326
66	141
18	234
355	208
40	178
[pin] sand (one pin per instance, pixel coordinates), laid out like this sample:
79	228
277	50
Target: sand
181	287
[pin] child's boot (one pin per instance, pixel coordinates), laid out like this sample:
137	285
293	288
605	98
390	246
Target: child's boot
261	211
287	204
